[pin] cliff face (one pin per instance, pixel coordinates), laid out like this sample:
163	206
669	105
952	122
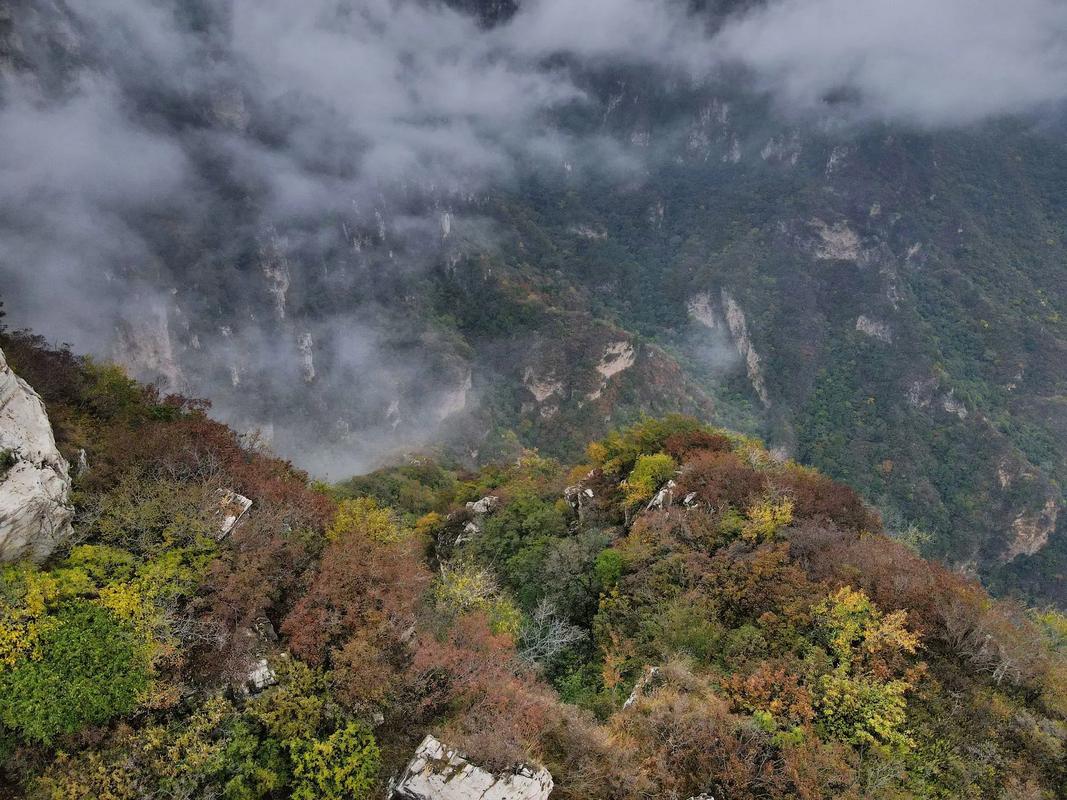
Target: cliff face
35	510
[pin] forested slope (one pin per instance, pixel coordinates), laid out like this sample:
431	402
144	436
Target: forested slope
681	613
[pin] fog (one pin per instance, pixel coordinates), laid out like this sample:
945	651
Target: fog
151	150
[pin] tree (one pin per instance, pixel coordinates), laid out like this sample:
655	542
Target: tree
343	766
649	473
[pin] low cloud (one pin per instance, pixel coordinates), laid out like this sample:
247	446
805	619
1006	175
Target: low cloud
155	150
926	62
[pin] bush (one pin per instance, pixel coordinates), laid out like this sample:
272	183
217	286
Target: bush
344	766
722	479
91	668
649	473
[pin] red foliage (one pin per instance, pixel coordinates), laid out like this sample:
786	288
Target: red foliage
683	446
500	708
362	586
721	479
819	498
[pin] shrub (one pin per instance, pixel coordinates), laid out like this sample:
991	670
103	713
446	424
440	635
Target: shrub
649	473
365	516
722	479
344	766
91	667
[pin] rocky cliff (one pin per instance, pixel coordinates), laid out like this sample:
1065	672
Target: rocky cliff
35	509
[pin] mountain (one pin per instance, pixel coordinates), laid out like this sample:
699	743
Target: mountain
684	614
470	232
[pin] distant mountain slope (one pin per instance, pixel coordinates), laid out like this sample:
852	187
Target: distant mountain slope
469	242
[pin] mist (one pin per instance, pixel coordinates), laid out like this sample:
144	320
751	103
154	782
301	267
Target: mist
232	196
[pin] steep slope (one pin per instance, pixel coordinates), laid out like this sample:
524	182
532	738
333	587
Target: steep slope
683	614
881	299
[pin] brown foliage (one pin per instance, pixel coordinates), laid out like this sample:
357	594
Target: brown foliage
498	707
817	497
772	688
721	479
683	446
689	743
362	586
750	583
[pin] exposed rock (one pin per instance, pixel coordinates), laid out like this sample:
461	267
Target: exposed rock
664	498
439	773
617	357
878	330
588	232
261	675
920	392
579	498
954	406
782	150
541	388
701	310
837	242
143	344
264	641
1031	531
275	266
232	508
642	685
306	345
487	505
735	320
83	463
452	401
35	509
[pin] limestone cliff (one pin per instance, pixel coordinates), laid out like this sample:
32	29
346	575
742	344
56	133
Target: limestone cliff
35	510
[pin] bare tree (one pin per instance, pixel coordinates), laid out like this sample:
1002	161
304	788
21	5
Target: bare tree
546	634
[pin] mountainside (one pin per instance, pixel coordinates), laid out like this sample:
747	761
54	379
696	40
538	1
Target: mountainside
684	614
477	241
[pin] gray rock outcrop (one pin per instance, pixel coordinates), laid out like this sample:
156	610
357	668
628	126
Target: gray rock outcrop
439	773
35	509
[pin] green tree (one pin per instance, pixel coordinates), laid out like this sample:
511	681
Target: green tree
91	667
344	766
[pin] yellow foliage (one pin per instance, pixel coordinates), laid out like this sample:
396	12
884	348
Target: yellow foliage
428	523
363	515
23	614
765	518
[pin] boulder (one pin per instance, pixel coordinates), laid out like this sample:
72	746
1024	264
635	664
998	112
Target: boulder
487	505
664	497
35	508
232	508
439	773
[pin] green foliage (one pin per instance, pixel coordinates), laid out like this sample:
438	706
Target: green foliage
90	668
619	452
608	568
343	766
148	516
521	523
649	473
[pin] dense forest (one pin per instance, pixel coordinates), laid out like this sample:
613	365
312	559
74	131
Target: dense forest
682	613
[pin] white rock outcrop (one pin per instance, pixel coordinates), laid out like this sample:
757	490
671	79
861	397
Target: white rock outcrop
439	773
232	508
35	509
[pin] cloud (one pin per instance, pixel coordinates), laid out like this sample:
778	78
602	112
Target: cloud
155	150
928	62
